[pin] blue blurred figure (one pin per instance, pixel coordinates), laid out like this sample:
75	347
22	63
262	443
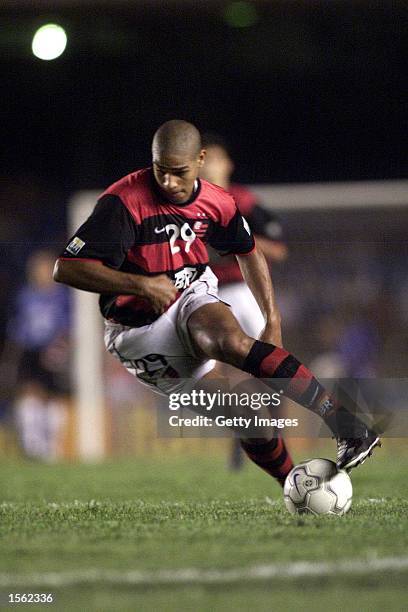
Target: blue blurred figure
35	361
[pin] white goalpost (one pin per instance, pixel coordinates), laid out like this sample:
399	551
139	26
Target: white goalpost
87	372
87	367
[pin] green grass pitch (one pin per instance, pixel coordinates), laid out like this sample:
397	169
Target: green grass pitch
61	525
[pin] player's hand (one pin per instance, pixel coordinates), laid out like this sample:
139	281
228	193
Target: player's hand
160	291
272	333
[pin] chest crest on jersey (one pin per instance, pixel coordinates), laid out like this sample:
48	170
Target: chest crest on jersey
200	227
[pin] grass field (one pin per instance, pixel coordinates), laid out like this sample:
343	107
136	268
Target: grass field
117	537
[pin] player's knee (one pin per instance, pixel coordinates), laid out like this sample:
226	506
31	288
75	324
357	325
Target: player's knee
233	348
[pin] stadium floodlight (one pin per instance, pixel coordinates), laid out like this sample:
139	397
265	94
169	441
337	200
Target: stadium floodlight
240	14
49	41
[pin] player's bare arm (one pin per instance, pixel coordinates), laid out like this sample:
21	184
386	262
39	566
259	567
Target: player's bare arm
257	276
95	277
274	250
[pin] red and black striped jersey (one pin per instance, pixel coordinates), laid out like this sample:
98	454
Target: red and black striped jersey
262	222
134	229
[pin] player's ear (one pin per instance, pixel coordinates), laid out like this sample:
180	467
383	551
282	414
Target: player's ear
201	158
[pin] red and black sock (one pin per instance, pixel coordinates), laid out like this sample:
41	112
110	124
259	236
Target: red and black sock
272	456
293	378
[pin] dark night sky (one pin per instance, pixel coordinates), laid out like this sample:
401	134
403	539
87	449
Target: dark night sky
313	91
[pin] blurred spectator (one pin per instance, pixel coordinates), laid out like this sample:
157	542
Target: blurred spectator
267	228
32	214
35	361
218	169
328	363
359	349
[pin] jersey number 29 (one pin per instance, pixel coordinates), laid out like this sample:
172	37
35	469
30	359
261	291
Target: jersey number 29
185	233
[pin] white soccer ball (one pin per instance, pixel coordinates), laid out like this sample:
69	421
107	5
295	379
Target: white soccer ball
317	486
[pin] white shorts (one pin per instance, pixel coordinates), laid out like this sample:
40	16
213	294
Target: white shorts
161	354
244	307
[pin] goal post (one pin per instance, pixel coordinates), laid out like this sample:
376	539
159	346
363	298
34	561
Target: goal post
87	367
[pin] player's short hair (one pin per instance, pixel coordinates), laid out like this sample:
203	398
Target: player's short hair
177	136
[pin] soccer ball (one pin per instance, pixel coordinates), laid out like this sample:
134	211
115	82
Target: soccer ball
317	486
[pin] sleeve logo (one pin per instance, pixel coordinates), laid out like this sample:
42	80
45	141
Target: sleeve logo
75	245
246	226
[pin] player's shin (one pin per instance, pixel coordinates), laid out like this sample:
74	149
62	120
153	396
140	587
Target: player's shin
282	370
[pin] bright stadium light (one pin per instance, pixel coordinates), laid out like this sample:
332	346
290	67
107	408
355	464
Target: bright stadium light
49	42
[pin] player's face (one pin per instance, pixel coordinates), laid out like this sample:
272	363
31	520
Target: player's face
176	174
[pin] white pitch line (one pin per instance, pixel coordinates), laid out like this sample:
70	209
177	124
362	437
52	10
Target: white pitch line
298	569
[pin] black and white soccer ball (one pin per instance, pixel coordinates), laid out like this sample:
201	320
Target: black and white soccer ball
317	486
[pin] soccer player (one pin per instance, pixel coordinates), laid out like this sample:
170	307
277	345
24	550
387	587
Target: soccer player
265	225
35	359
268	232
144	250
